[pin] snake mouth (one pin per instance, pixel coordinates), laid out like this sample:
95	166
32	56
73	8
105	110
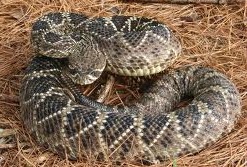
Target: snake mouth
84	77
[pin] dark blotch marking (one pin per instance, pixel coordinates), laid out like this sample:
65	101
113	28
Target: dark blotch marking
56	18
98	26
48	128
161	31
40	25
52	37
119	21
76	19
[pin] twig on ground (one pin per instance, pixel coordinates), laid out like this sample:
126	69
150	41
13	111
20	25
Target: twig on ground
6	132
4	146
9	98
106	89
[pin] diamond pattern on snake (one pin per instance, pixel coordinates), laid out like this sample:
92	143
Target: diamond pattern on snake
73	49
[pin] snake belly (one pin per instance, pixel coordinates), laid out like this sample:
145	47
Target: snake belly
59	117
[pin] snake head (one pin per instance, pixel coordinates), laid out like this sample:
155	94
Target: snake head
87	66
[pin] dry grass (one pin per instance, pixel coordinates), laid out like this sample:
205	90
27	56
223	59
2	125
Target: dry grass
211	35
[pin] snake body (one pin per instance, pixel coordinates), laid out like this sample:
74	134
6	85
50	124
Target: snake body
58	116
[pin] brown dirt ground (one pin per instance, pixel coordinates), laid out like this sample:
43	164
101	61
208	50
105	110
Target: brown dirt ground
211	35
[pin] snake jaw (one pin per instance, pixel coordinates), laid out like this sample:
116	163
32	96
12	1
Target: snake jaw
84	77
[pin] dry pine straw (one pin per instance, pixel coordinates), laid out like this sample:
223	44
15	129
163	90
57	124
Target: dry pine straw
211	35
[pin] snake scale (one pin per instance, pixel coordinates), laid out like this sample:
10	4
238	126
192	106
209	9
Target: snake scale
72	49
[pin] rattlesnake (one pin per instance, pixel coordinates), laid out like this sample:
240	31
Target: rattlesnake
58	116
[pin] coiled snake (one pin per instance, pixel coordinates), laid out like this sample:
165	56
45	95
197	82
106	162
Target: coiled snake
74	49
